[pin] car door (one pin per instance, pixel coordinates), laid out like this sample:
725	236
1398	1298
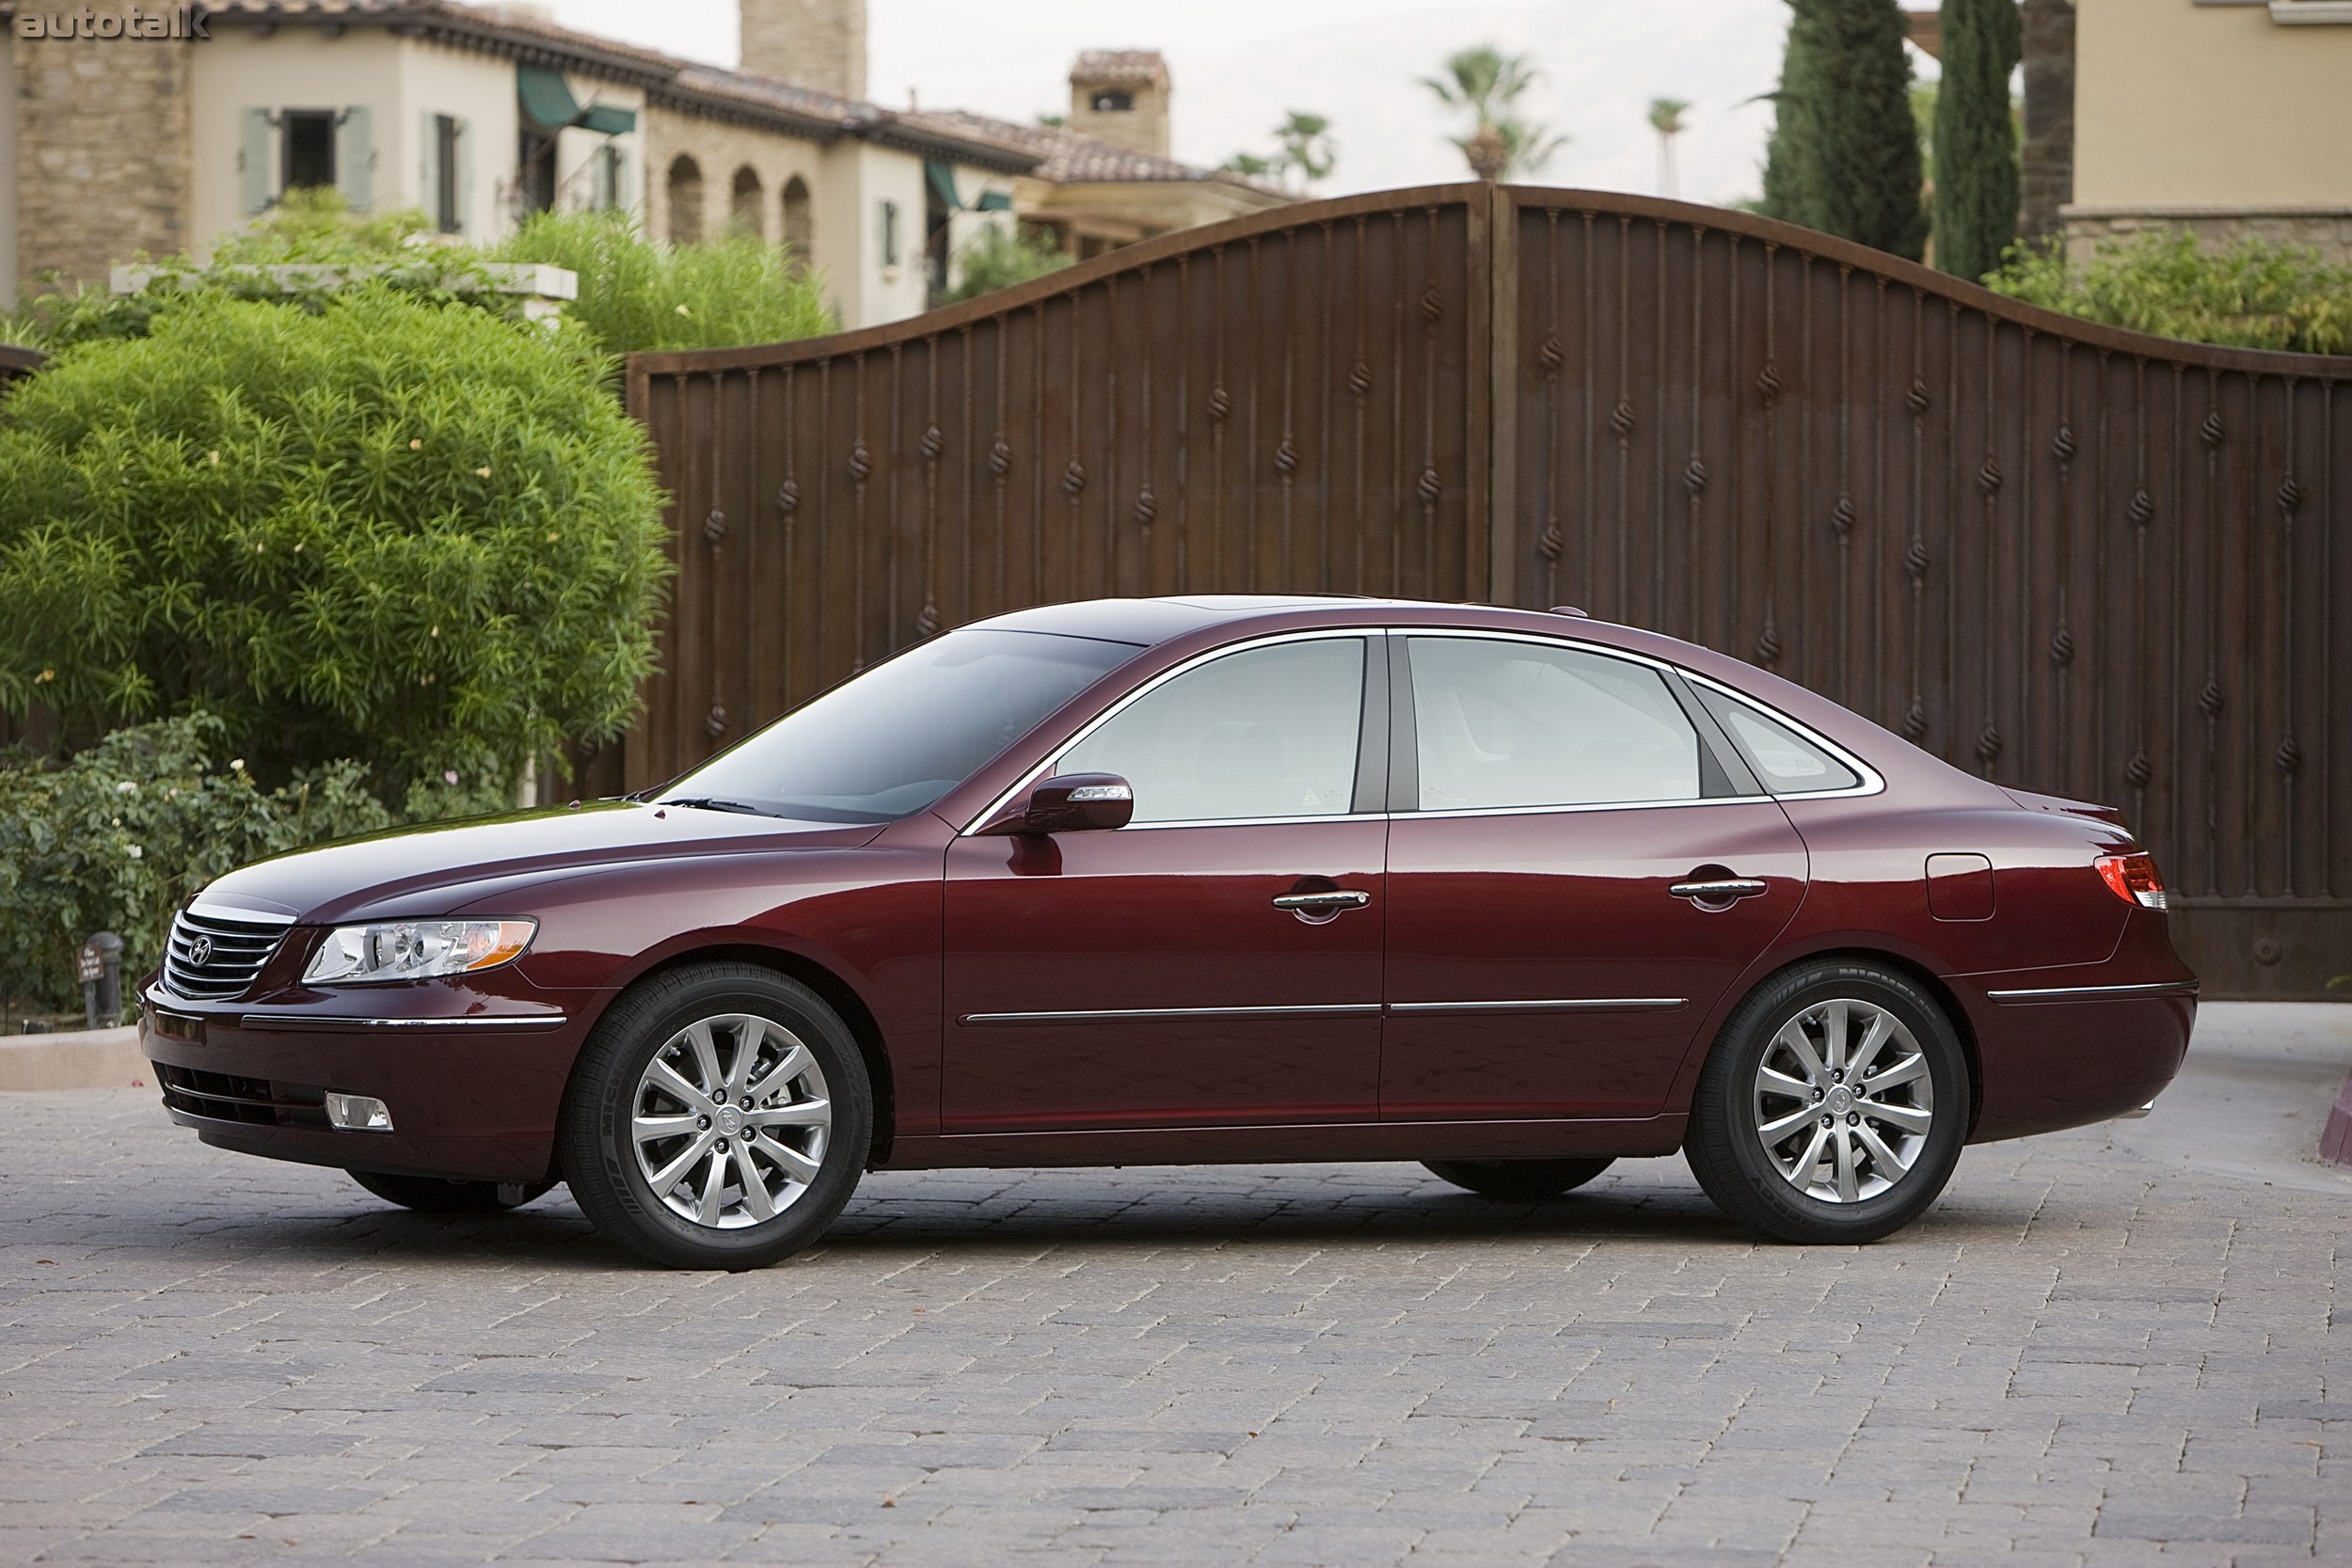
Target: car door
1577	869
1217	960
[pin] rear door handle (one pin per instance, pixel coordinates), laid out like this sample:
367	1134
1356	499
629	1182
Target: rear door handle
1720	889
1321	903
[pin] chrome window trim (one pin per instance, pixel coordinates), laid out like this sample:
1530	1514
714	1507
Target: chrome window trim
1044	768
2092	993
1872	780
1872	783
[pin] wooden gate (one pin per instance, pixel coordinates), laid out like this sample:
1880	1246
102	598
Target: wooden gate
2070	558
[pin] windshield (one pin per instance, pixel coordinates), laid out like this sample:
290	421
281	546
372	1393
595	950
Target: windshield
896	739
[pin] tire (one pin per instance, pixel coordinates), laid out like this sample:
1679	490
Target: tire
1517	1180
685	1195
430	1194
1779	1067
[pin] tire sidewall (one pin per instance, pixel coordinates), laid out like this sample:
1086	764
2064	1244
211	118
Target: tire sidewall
1723	1120
616	1193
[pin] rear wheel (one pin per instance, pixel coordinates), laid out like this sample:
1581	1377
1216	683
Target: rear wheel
719	1119
1517	1180
1833	1107
431	1195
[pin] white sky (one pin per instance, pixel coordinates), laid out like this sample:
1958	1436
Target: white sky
1239	64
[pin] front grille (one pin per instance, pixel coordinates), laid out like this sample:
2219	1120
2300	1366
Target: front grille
213	956
229	1097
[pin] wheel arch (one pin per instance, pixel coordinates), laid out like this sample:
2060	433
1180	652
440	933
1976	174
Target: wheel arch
836	992
1910	969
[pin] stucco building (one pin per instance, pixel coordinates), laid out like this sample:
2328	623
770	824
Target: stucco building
115	143
2224	116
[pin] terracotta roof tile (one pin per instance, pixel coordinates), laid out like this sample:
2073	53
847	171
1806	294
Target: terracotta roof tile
1066	157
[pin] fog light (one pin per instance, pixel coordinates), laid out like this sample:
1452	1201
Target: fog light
356	1113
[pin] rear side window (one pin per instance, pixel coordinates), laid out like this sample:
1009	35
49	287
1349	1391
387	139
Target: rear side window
1501	724
1787	762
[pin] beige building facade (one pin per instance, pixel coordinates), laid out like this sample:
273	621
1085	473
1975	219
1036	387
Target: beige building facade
2226	117
116	147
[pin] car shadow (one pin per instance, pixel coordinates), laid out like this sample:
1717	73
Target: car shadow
981	1213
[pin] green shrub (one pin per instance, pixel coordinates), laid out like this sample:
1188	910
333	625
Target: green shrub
395	530
2251	295
636	294
997	258
115	839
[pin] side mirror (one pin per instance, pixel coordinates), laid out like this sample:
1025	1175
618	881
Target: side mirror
1072	803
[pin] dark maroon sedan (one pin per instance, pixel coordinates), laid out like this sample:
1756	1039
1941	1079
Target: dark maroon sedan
1202	880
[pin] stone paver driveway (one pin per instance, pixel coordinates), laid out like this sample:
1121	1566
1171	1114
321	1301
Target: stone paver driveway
2104	1347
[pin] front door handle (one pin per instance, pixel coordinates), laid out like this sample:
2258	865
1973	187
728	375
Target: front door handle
1321	903
1720	889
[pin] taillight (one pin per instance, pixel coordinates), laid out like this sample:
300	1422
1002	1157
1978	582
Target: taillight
2134	878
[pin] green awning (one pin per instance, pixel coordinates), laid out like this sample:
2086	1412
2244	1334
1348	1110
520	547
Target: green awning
609	119
545	99
994	201
942	176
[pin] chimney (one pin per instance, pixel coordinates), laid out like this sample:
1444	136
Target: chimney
809	44
1121	95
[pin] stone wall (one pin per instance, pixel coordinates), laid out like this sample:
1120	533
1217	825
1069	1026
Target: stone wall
809	44
2326	230
102	154
2046	166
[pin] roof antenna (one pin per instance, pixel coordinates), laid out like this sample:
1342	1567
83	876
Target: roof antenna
1570	609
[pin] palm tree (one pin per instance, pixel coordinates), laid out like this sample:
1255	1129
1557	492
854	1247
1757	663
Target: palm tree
1488	85
1665	117
1307	146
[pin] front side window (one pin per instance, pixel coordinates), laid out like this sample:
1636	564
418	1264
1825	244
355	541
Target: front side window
894	739
1520	725
1267	732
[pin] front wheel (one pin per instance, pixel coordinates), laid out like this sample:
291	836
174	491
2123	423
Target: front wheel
1833	1107
1517	1180
719	1119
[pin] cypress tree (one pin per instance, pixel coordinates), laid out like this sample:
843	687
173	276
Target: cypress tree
1845	152
1975	141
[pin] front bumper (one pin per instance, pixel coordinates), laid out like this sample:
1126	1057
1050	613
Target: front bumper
474	1081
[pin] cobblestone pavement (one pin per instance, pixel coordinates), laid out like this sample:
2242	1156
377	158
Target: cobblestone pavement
2088	1353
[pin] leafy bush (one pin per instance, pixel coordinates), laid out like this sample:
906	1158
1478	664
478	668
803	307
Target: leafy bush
2251	295
117	838
395	529
312	228
999	256
636	294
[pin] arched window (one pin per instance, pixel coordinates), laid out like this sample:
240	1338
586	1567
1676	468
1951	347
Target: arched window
747	212
685	200
800	224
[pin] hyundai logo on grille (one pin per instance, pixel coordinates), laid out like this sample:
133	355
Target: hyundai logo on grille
201	952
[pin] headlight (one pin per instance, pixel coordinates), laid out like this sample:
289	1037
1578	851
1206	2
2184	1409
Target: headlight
417	949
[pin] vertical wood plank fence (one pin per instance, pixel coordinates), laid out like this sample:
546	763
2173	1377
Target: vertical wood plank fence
2070	558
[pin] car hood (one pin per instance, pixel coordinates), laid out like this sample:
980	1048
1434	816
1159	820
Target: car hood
413	873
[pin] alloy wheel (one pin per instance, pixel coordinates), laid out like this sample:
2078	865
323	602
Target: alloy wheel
1843	1100
730	1120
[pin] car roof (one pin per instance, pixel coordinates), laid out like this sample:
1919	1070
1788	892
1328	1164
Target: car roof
1148	623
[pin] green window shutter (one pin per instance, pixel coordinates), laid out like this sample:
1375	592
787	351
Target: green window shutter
255	182
429	164
942	176
545	98
465	176
354	158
